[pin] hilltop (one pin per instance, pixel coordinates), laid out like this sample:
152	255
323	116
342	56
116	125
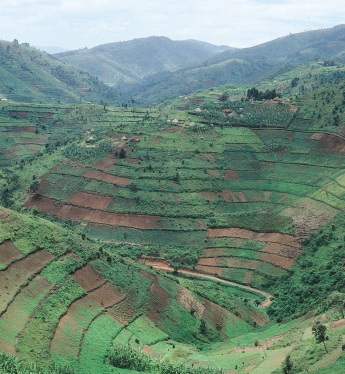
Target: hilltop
32	76
139	61
248	65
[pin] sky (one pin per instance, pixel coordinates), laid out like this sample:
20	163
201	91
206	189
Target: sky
74	24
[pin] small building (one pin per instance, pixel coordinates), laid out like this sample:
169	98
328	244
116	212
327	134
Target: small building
175	121
90	139
3	99
191	124
197	110
124	138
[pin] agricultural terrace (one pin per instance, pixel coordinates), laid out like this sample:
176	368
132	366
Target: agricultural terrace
68	303
177	183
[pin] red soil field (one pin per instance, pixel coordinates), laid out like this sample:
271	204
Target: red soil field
32	141
234	262
209	269
43	203
99	175
209	156
215	315
32	148
18	273
88	278
124	311
65	344
107	295
241	197
186	299
157	263
155	139
210	261
16	316
247	234
331	143
18	113
30	129
229	196
172	129
9	253
283	250
213	172
89	200
209	195
248	277
157	299
212	252
231	175
280	261
104	165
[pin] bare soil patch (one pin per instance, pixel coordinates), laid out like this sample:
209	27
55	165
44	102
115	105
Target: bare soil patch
282	250
101	176
214	314
210	261
308	215
252	235
18	273
335	324
156	263
88	278
156	139
88	200
124	311
9	253
209	269
157	299
280	261
43	203
248	277
331	143
186	299
209	156
259	318
148	350
213	172
231	175
241	197
316	136
72	212
32	148
212	252
172	129
104	165
229	196
234	262
18	113
32	141
209	195
107	295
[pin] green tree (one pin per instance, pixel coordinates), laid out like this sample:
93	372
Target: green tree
287	365
319	331
202	327
122	153
34	186
337	299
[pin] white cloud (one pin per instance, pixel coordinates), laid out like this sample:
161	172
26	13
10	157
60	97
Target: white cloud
241	23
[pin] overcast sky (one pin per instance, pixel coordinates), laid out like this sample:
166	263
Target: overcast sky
74	24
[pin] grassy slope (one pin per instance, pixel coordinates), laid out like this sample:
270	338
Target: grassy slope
30	75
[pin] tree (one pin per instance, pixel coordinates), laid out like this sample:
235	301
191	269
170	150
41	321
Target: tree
287	367
105	104
337	299
319	331
34	186
202	327
122	153
223	97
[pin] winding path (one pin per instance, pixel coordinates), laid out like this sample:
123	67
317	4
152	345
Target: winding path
165	266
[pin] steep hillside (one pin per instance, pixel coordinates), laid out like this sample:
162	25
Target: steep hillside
248	65
132	62
33	76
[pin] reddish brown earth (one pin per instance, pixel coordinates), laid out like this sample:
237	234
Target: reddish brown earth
43	203
88	278
209	156
33	148
107	295
209	269
282	250
248	277
209	195
231	175
18	113
30	129
99	175
229	196
241	197
9	253
155	139
247	234
211	261
32	141
157	299
125	310
212	252
172	129
280	261
18	274
104	165
331	143
88	200
213	172
234	262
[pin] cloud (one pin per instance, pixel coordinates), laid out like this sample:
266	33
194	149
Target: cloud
241	23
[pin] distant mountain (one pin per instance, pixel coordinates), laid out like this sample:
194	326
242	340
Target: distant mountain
30	75
247	65
52	49
132	62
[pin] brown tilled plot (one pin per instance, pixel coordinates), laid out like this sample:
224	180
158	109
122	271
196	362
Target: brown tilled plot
18	313
88	278
210	261
9	253
282	250
43	203
230	197
109	178
213	252
214	172
234	262
88	200
209	195
18	274
107	295
283	262
209	269
231	175
331	143
104	165
186	299
252	235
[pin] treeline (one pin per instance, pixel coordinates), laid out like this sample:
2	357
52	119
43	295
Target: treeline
255	94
